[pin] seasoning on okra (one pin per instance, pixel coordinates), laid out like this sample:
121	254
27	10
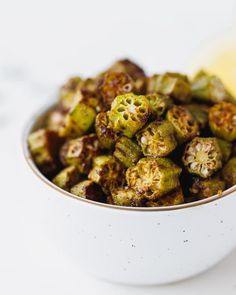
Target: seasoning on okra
114	84
125	196
68	177
157	139
159	104
108	172
153	177
222	120
78	121
44	145
128	139
129	113
202	156
106	135
173	198
185	125
80	152
88	189
199	112
205	188
127	151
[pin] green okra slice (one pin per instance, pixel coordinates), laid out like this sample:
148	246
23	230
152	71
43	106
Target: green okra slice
229	172
186	127
153	177
108	172
199	112
80	152
129	113
159	104
204	188
157	139
175	85
114	84
128	67
173	198
209	88
44	145
67	93
106	135
202	156
88	93
127	151
226	149
78	121
90	190
222	120
66	178
126	197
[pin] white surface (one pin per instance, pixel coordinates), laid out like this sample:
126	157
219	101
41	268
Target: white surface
42	43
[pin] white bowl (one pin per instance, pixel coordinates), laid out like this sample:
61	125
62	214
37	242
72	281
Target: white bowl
140	246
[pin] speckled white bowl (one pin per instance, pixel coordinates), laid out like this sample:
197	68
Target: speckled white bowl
141	246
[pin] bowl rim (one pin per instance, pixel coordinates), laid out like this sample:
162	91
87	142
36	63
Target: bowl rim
28	158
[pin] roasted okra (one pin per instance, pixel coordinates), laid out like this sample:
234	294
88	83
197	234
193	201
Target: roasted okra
128	139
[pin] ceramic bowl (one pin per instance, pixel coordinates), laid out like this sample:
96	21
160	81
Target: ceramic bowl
139	246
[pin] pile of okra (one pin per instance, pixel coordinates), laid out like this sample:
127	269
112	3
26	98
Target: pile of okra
128	139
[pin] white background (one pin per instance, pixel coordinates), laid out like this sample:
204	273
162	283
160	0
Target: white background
41	44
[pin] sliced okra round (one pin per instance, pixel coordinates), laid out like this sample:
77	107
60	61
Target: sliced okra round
202	156
153	177
186	127
222	120
129	113
157	139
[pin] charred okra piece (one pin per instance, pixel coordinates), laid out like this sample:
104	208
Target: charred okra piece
226	149
67	93
88	94
157	139
67	178
140	86
78	121
175	85
128	67
173	198
127	151
205	188
55	120
159	104
106	136
186	127
114	84
209	88
202	156
80	152
129	113
44	145
126	197
108	172
222	120
153	177
88	189
199	112
229	172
